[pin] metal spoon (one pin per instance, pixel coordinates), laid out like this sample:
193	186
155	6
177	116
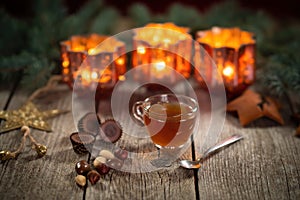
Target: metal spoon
189	164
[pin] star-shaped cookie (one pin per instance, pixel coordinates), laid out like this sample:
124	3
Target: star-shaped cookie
251	106
27	115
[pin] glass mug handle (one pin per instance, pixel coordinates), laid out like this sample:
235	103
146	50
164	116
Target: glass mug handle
138	111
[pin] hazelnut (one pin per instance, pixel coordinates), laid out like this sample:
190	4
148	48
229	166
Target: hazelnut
82	167
93	176
99	160
80	180
102	169
106	154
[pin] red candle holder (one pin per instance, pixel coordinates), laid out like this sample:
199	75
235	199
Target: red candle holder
162	51
93	64
233	51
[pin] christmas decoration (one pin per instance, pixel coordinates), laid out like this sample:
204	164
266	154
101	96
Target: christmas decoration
162	49
41	150
34	46
35	49
90	63
28	116
233	51
251	106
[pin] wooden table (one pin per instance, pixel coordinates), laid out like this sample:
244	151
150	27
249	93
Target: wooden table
265	165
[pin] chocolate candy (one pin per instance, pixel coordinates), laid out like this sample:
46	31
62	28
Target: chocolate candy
115	163
122	154
111	131
93	176
89	123
82	167
102	169
82	142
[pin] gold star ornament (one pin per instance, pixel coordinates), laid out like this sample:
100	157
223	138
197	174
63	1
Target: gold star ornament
27	115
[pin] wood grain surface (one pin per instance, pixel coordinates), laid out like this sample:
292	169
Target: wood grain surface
265	165
50	177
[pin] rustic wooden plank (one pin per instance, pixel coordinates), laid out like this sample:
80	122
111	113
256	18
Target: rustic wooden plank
4	95
262	166
6	91
265	165
169	183
50	177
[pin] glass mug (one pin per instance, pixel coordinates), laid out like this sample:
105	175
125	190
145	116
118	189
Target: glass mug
170	119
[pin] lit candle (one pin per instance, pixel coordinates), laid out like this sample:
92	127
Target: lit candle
159	70
141	50
162	47
103	59
233	51
228	72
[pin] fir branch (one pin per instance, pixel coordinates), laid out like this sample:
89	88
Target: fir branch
140	14
190	15
12	37
37	73
79	22
103	22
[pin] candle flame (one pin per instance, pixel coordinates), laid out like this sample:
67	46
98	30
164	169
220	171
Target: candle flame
228	71
86	75
122	78
141	50
94	75
160	66
120	61
65	63
225	37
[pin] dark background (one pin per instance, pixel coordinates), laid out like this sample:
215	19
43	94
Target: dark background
287	8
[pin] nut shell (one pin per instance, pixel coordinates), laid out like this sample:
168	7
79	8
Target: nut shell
106	154
99	160
80	180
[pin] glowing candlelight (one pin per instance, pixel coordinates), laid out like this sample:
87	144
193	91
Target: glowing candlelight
233	51
162	47
141	50
160	66
228	71
103	58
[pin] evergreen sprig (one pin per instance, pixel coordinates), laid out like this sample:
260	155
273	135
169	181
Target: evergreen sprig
32	44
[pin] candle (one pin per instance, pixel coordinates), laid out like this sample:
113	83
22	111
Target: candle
161	49
93	59
233	52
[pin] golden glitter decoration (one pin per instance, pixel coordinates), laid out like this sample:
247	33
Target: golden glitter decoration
27	115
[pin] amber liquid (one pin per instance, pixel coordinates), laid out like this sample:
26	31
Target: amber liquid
170	124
